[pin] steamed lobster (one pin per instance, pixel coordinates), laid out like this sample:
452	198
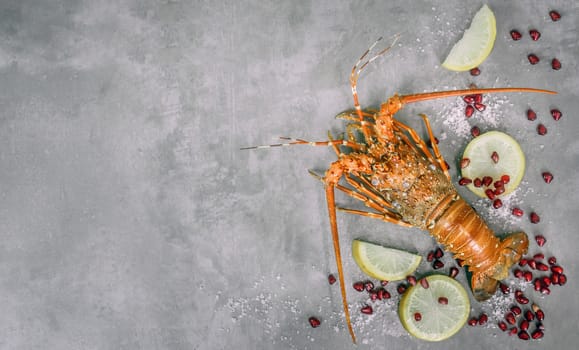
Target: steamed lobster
395	174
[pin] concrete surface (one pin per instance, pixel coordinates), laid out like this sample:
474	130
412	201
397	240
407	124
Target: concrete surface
130	219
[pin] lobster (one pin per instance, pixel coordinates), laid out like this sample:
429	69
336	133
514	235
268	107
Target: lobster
390	168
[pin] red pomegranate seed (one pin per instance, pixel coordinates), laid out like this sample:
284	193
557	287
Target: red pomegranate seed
483	319
504	288
401	289
475	131
368	285
518	212
518	273
468	111
523	335
523	300
524	325
545	290
537	284
437	264
516	310
546	281
499	184
538	334
555	16
542	267
438	253
453	272
541	240
331	279
535	219
473	322
531	115
499	190
314	322
557	269
532	264
490	194
539	314
523	262
373	295
411	280
417	316
562	279
541	129
513	331
547	177
464	162
497	203
487	181
510	318
555	64
480	107
469	99
552	260
539	256
555	278
535	34
505	179
443	301
502	326
430	256
495	157
533	59
367	309
464	181
528	276
516	35
556	114
359	286
424	283
383	283
477	182
529	315
478	98
475	71
383	294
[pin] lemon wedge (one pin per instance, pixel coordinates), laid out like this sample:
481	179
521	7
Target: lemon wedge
476	43
384	263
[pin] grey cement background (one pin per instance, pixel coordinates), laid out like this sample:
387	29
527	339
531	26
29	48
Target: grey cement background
130	219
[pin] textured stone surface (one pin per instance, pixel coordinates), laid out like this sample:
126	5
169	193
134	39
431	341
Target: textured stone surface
130	219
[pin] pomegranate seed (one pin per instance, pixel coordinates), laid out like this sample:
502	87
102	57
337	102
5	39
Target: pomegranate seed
557	269
368	286
502	326
537	285
475	71
528	276
464	162
499	184
314	322
531	115
535	34
424	283
523	335
383	294
383	283
477	182
540	326
411	280
437	264
490	194
538	334
443	301
555	64
480	107
535	219
547	177
505	179
524	325
529	315
533	59
475	131
499	190
545	290
468	99
556	114
504	288
532	264
518	273
555	16
541	240
438	253
523	300
463	181
497	203
483	319
359	286
495	157
546	281
478	98
401	289
542	267
541	129
473	322
513	331
367	309
539	256
516	35
540	315
516	310
453	272
373	295
430	256
562	279
417	316
555	278
487	181
468	111
552	260
517	212
523	262
331	279
510	318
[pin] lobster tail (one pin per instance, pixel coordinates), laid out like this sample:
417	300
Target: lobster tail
466	235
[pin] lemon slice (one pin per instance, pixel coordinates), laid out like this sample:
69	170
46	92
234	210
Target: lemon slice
435	320
384	263
511	161
476	43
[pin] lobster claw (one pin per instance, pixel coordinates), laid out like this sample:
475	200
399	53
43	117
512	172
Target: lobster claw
484	283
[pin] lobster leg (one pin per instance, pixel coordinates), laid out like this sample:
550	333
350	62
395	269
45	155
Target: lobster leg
435	149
